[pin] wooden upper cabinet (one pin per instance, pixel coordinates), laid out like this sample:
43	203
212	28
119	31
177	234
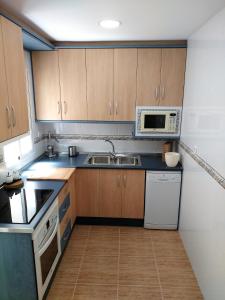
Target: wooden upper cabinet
110	193
99	63
148	76
172	76
160	77
5	123
46	85
12	46
73	84
106	84
125	87
133	194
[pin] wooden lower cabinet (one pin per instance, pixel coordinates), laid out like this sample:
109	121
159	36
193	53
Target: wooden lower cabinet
87	183
68	191
133	194
110	194
113	193
72	189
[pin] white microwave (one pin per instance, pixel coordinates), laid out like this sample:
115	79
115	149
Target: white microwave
158	121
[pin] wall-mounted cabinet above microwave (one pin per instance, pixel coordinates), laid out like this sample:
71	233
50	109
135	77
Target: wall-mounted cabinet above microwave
155	121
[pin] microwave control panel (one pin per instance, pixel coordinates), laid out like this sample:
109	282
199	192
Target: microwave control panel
172	126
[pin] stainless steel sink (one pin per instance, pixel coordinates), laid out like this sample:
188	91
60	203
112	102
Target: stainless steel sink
99	159
109	159
129	160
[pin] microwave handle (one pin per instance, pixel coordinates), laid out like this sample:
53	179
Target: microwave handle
49	240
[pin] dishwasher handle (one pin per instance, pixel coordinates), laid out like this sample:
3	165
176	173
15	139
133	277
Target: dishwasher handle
164	177
161	179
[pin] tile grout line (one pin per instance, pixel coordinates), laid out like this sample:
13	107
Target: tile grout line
81	262
118	269
157	270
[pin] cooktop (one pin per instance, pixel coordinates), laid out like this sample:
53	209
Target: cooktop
21	206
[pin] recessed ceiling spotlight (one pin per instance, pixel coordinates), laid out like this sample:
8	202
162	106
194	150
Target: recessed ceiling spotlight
110	24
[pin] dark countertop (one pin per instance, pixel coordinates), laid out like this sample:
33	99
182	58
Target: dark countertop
56	186
151	162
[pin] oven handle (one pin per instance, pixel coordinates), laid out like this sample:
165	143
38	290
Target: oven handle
49	240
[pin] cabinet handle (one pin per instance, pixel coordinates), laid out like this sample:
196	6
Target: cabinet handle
110	108
13	116
163	92
116	108
65	238
59	107
8	116
124	180
65	107
157	92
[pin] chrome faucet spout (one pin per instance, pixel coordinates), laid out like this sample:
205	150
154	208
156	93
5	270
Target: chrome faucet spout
113	147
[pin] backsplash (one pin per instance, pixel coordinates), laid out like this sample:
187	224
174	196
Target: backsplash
89	137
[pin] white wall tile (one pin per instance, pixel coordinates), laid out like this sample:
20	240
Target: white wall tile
99	145
203	124
202	222
202	227
84	146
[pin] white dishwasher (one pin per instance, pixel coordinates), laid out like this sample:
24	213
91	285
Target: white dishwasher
162	199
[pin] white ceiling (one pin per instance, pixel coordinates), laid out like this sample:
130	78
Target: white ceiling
77	20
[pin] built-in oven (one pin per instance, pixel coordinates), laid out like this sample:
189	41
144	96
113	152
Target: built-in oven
158	121
47	249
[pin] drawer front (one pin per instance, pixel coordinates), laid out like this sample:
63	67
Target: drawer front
64	207
66	236
65	220
62	195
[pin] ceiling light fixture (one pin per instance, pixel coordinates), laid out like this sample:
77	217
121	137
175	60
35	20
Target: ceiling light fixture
110	24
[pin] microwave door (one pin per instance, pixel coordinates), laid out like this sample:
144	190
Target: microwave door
154	122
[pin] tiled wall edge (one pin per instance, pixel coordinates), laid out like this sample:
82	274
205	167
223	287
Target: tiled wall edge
91	137
201	162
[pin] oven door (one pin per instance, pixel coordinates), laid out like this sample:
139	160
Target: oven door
46	258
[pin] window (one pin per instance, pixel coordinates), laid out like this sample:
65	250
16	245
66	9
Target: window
25	145
12	153
15	151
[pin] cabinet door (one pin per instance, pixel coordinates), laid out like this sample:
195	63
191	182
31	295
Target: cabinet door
46	85
99	64
110	193
133	194
172	76
87	184
73	84
5	122
125	84
15	74
148	76
73	200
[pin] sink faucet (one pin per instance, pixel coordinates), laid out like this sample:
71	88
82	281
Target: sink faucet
113	147
52	136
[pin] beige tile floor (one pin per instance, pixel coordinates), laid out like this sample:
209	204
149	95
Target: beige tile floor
124	263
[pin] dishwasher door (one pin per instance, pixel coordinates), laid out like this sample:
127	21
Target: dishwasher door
162	198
